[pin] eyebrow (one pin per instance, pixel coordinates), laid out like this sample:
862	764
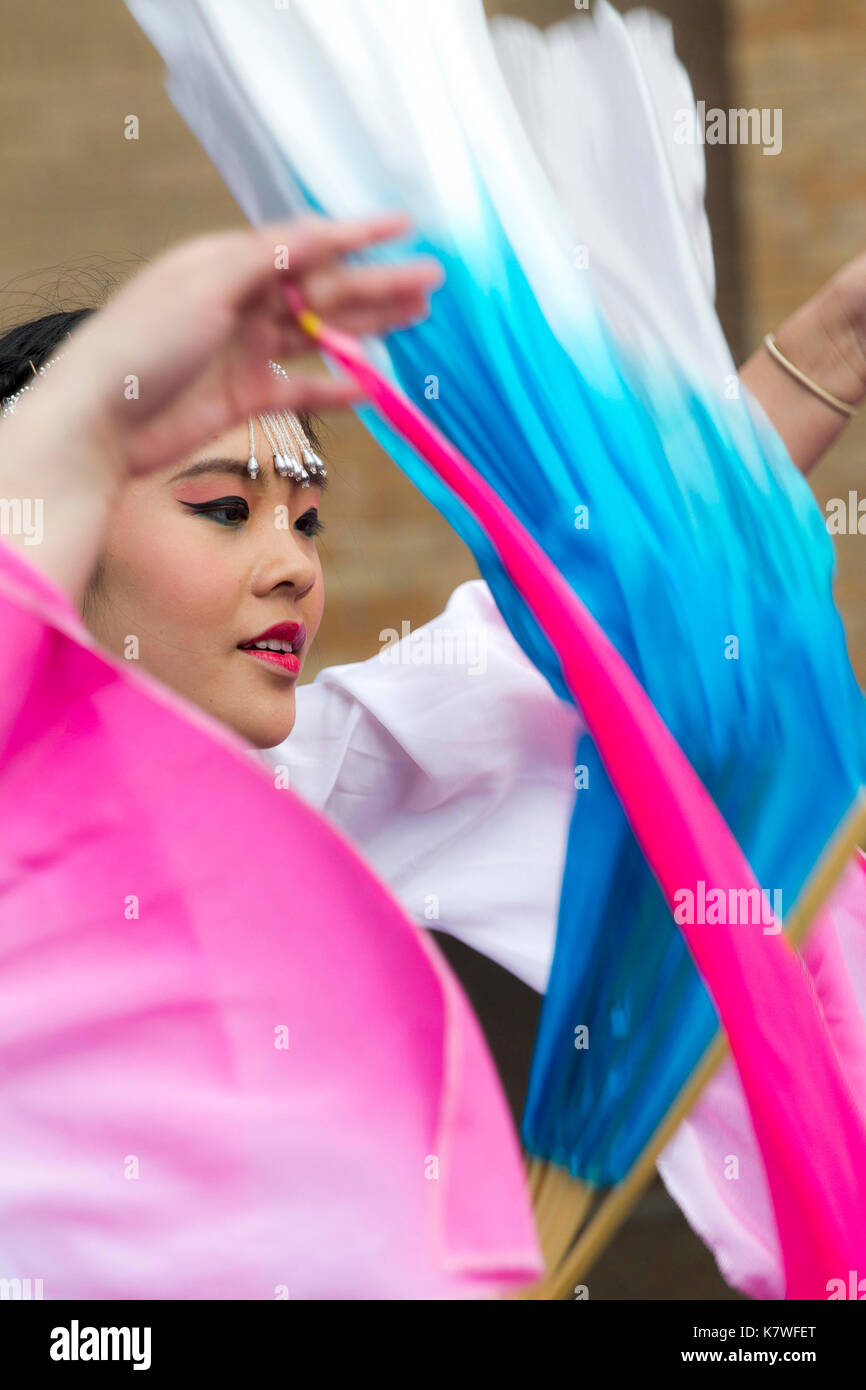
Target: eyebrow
234	466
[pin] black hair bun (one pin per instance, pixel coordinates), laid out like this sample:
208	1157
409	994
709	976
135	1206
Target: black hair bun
34	341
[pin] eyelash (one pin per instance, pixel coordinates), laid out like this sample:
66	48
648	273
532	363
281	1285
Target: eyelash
314	527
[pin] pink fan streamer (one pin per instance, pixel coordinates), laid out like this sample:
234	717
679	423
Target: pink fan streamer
810	1130
231	1066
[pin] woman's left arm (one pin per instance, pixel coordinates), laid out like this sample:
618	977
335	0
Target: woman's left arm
825	339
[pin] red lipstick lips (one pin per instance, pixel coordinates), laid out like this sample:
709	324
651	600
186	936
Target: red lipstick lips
278	646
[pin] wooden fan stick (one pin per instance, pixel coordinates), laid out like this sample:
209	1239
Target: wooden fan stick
560	1203
830	867
616	1206
620	1200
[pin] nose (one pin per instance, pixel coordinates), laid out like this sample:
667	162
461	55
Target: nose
286	563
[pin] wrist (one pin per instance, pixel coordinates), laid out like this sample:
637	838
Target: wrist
69	438
820	339
56	459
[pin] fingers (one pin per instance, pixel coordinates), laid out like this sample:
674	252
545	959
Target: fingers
345	295
251	386
314	393
223	278
359	300
234	265
314	241
398	311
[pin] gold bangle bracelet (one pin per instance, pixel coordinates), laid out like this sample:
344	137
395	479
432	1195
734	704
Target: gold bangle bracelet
826	396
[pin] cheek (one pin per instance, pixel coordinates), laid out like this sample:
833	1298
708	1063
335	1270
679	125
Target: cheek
167	573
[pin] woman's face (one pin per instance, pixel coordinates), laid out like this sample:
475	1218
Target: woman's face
200	559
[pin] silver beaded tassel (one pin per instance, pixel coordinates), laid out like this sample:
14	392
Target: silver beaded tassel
253	463
285	436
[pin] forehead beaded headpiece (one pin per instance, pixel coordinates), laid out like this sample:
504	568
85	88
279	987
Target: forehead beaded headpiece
282	429
285	435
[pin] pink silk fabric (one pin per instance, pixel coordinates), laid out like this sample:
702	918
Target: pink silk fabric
230	1066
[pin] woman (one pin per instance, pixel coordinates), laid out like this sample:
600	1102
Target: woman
159	499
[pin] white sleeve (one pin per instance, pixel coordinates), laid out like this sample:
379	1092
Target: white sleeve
449	761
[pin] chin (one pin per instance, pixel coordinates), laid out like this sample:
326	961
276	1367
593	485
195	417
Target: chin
267	733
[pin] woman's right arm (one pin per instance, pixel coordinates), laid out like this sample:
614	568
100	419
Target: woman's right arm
194	331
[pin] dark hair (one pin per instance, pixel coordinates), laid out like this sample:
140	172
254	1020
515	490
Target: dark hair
34	341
